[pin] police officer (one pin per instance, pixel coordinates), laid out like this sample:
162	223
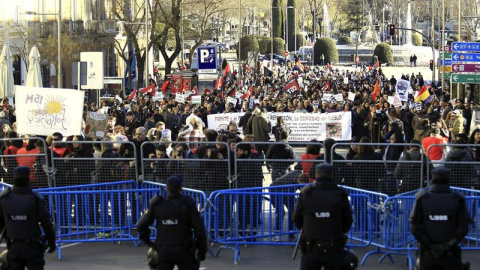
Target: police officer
439	221
21	210
175	216
325	215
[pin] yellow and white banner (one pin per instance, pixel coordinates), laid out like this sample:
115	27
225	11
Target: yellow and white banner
304	126
43	111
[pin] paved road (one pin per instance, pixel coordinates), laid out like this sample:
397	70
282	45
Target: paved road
108	256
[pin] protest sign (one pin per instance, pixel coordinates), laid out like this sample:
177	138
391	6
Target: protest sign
43	111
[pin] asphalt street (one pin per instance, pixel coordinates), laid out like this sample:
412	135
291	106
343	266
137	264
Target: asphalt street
108	256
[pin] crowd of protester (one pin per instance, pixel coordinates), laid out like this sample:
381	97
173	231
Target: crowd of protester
179	131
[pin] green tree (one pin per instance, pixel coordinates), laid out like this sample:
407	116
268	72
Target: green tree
325	46
344	40
384	53
417	39
278	46
300	41
248	43
278	19
292	24
263	43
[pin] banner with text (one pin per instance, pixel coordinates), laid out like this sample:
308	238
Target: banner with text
304	126
43	111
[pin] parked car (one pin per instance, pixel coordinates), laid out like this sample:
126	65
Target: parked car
277	58
302	53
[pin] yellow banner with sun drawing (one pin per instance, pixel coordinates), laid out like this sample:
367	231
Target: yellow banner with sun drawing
43	111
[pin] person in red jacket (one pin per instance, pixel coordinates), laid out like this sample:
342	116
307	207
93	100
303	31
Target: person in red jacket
28	161
311	153
10	162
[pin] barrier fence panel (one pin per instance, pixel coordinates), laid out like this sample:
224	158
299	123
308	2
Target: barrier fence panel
206	168
461	160
381	167
32	153
263	216
270	161
88	162
94	213
149	189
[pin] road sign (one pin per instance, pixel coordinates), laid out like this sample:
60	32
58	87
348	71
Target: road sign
285	53
447	62
466	46
207	60
466	57
446	69
448	55
446	49
466	68
465	78
447	76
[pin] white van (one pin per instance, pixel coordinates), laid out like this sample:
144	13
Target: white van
303	52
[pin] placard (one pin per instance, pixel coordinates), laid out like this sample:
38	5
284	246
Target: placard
351	96
96	125
43	111
196	99
180	98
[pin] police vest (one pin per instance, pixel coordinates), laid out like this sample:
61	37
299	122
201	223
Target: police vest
323	217
173	220
439	214
20	214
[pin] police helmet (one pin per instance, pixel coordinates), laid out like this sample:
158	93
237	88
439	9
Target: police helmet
3	260
350	260
152	258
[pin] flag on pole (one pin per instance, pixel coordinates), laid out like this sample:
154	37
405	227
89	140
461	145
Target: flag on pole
132	95
326	86
423	95
376	91
165	87
218	83
298	66
227	70
150	89
291	87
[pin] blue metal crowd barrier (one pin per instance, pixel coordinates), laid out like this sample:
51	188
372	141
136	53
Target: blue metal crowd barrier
104	212
263	216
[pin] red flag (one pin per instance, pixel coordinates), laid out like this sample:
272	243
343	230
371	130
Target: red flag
377	64
219	83
326	87
248	94
150	89
376	91
165	87
291	87
226	71
132	95
195	91
232	93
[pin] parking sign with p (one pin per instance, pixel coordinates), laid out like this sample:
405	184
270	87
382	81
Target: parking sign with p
207	60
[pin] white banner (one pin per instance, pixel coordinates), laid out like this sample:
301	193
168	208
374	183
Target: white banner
304	126
43	111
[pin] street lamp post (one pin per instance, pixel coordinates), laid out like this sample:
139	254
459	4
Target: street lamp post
240	28
59	41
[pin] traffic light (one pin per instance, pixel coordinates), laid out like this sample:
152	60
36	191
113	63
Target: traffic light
431	65
391	29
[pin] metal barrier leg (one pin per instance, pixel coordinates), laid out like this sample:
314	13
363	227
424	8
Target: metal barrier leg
235	249
59	251
377	251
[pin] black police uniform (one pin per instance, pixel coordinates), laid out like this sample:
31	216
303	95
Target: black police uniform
325	214
21	210
175	218
439	221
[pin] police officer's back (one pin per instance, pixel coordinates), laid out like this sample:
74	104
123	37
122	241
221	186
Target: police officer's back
324	213
439	221
175	216
21	210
